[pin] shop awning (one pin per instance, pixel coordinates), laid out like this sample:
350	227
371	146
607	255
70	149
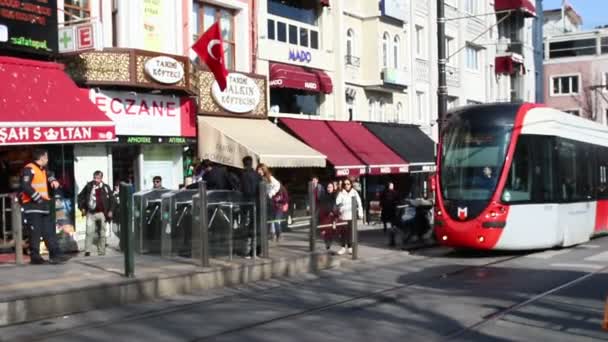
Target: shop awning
228	140
509	64
527	6
409	142
42	105
378	157
297	77
318	135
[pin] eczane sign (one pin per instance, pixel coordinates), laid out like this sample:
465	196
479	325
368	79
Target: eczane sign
242	94
164	70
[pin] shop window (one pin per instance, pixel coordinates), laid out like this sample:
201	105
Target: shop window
76	10
282	32
293	35
207	15
293	101
271	29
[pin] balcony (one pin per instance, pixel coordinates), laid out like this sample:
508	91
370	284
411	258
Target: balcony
509	64
422	70
525	6
352	60
398	77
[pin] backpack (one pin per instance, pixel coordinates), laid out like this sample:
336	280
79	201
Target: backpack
281	200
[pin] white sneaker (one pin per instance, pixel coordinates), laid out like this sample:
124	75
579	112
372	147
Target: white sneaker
342	251
350	251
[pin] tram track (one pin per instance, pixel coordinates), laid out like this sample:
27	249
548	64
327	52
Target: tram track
497	315
378	294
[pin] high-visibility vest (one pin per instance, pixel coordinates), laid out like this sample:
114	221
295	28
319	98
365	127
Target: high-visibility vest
39	183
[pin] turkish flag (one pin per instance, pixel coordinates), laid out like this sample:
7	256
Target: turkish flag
210	48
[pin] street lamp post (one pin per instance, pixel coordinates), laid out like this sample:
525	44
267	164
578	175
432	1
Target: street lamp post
442	91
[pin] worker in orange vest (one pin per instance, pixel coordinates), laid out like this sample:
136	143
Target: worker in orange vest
36	202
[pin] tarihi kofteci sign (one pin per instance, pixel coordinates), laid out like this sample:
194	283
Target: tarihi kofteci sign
29	135
242	94
165	70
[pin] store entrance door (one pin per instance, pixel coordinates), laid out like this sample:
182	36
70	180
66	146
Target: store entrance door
125	161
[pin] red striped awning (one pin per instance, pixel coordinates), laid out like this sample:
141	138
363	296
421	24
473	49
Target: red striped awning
297	77
42	105
527	6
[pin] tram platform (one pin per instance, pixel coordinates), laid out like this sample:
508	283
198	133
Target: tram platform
35	292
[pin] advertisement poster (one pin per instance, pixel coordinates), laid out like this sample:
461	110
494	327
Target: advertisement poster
152	27
29	26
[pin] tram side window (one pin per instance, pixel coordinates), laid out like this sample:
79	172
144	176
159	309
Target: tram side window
543	190
584	180
518	187
573	185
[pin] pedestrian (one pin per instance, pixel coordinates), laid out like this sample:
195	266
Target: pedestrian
217	177
344	204
96	202
273	186
157	183
388	204
250	181
328	215
35	199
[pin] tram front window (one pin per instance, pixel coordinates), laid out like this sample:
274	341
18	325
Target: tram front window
472	158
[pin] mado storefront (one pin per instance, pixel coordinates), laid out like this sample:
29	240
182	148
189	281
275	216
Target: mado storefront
148	97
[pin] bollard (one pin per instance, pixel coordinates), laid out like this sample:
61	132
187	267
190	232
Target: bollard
312	234
17	227
263	200
353	229
126	228
203	224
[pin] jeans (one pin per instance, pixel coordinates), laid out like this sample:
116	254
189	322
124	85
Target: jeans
276	225
92	220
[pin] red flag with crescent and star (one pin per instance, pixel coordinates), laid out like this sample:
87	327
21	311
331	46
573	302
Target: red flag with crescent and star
210	48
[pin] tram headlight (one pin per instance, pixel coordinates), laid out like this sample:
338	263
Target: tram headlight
444	238
481	239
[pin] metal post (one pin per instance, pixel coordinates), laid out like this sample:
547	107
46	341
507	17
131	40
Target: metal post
312	234
442	91
353	229
263	198
126	228
254	247
17	227
204	224
231	232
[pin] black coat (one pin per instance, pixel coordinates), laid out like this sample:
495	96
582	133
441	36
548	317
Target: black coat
107	196
250	181
388	202
218	178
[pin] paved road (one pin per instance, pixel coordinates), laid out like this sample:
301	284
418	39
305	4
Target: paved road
433	295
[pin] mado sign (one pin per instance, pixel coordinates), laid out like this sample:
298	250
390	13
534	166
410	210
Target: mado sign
241	95
300	56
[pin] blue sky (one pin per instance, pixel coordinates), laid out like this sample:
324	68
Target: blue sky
593	11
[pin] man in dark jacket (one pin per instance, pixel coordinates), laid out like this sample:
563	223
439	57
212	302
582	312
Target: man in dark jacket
250	181
217	177
95	202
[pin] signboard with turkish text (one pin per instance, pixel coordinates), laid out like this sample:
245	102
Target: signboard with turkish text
244	96
28	26
152	24
55	134
145	114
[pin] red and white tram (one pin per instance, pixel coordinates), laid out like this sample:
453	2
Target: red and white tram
520	176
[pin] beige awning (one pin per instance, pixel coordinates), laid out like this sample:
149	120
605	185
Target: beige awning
228	140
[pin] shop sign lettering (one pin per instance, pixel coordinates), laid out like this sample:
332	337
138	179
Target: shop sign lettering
242	94
137	114
300	56
164	70
22	135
